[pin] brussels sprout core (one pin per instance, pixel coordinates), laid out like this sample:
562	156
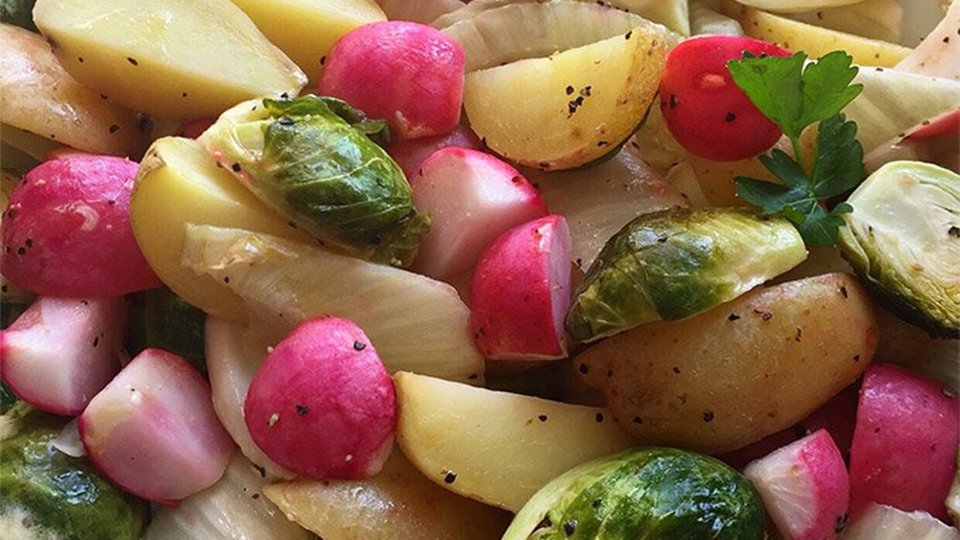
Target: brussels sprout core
315	160
903	239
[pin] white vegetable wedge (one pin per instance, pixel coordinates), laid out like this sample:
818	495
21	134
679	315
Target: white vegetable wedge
417	324
233	354
233	508
883	522
513	444
937	55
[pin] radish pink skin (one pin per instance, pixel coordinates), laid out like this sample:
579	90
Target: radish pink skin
837	416
192	129
705	110
153	432
411	153
60	352
322	404
67	230
520	292
815	463
905	442
406	73
471	198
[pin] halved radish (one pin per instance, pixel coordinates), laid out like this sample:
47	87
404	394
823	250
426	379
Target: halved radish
322	404
905	442
153	432
520	292
409	154
60	352
882	522
471	198
804	487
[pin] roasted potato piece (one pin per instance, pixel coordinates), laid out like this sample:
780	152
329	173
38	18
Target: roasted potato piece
741	371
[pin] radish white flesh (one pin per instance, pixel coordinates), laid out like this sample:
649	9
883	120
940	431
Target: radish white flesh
60	352
153	431
521	291
882	522
471	198
804	487
233	354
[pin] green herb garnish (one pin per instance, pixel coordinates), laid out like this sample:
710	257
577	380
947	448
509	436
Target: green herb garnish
795	96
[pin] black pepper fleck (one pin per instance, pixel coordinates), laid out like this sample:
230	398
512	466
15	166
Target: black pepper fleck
235	167
733	317
359	345
570	527
637	420
730	117
954	231
114	128
302	409
569	90
843	292
673	101
599	417
676	370
584	369
627	36
133	61
542	418
96	341
708	416
449	477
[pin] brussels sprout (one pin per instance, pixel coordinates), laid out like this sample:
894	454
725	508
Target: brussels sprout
48	494
651	493
676	263
903	239
18	12
314	159
161	319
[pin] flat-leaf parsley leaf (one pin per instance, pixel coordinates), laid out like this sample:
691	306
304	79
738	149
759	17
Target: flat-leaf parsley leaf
795	95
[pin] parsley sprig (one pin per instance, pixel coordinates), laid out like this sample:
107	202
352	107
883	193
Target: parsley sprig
794	96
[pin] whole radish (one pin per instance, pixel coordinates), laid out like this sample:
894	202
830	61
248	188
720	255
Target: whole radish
406	73
708	114
905	442
322	404
520	292
66	230
153	432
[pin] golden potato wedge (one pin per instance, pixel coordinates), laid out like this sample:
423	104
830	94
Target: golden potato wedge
570	108
398	503
180	183
816	41
169	58
39	97
306	29
743	370
496	447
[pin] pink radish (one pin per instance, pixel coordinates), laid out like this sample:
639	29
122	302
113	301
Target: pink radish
708	114
905	442
152	430
192	129
406	73
471	198
66	231
521	291
60	352
322	404
804	487
411	153
837	416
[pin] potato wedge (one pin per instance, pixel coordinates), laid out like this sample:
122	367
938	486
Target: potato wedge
180	183
398	503
570	108
743	370
496	447
38	96
416	323
306	29
169	58
816	41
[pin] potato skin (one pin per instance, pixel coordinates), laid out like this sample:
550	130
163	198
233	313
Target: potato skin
743	370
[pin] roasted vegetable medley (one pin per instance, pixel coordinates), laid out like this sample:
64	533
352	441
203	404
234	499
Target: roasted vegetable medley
480	269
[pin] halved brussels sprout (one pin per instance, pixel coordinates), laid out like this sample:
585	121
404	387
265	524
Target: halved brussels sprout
314	159
903	239
48	494
677	263
652	493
